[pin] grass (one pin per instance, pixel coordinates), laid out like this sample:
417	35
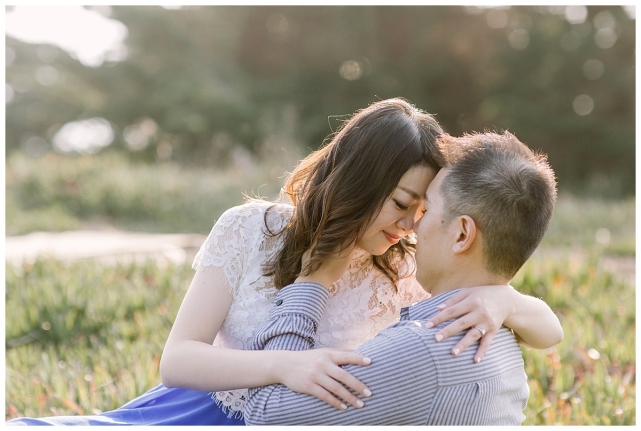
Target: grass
59	193
85	337
589	378
593	224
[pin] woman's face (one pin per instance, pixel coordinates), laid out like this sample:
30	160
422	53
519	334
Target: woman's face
399	213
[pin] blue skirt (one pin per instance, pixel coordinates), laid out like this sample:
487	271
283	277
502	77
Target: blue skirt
159	406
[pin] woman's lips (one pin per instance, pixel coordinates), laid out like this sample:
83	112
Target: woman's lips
392	238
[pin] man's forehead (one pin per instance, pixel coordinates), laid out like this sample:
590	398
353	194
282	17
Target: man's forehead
435	185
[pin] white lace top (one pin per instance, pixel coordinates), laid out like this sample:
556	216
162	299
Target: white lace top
361	303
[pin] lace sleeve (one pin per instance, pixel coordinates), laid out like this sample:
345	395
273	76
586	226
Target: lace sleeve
225	247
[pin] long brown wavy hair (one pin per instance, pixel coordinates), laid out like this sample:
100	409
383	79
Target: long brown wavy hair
339	189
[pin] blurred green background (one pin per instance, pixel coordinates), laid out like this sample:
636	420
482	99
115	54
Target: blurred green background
204	85
185	109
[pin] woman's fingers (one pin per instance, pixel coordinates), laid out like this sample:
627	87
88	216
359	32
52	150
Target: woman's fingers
455	299
344	377
324	395
449	312
324	378
480	310
462	323
484	345
472	336
341	392
344	357
351	382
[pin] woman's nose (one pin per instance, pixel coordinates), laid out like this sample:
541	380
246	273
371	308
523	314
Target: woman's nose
406	223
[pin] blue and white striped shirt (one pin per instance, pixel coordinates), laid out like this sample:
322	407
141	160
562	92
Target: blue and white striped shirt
414	379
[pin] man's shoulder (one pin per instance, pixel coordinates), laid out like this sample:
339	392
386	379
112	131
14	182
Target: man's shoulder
504	352
503	355
454	390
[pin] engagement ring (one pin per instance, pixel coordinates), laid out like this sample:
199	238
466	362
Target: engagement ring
482	331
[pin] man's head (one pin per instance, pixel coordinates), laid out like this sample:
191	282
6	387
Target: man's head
488	208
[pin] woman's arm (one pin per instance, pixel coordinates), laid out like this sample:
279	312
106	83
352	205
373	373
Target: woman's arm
190	361
489	307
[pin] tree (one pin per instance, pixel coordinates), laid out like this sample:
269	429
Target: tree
204	80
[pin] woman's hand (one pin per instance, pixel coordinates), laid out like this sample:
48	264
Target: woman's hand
489	307
482	307
318	373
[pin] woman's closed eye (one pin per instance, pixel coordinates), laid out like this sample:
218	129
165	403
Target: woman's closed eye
400	206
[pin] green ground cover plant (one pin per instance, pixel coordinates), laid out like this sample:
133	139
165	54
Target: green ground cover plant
86	337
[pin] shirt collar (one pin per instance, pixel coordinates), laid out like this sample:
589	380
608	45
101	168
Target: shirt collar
425	309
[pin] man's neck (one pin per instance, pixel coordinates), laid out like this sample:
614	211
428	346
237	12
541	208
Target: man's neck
465	278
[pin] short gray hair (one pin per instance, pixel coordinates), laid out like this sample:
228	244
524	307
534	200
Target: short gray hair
507	189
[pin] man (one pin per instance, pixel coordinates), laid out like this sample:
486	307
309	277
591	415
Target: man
485	213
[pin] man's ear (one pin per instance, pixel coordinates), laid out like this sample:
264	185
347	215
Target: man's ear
465	234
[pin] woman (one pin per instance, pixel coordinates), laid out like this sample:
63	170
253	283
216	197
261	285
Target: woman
365	187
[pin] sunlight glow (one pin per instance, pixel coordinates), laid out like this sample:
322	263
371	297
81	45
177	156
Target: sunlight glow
496	18
351	70
86	35
583	104
519	39
576	14
593	69
85	136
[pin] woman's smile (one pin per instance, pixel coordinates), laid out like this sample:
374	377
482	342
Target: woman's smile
393	238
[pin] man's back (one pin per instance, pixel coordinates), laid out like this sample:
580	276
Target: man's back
414	379
492	392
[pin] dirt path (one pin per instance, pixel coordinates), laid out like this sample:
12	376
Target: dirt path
108	244
105	245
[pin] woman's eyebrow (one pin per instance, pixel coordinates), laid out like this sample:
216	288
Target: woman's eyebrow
410	192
